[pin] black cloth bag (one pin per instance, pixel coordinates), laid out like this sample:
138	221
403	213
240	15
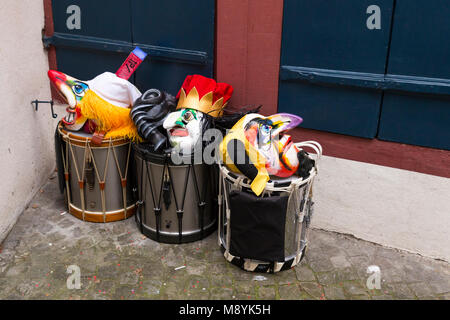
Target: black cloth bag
257	226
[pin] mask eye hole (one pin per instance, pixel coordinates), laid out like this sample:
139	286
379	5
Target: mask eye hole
79	89
265	129
188	116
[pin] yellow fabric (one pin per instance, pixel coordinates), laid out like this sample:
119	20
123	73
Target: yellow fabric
114	120
237	132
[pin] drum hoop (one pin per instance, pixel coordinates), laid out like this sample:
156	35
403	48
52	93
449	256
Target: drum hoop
161	158
245	182
271	185
81	141
263	266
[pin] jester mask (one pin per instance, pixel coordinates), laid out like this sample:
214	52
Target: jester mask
104	100
258	147
198	99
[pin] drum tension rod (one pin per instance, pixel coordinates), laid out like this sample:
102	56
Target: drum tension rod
35	104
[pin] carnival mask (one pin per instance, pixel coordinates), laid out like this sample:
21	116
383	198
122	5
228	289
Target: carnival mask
257	147
72	90
105	100
198	98
184	128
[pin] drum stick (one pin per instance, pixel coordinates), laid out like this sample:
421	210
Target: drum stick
130	65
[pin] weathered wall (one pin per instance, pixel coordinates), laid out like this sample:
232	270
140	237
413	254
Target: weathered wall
392	207
248	44
26	144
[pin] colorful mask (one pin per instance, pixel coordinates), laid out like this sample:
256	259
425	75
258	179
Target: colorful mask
257	147
198	98
184	127
105	100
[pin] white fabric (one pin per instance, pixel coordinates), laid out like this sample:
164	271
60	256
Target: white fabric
115	90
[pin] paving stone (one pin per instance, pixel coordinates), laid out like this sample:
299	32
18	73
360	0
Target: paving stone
221	294
354	288
445	296
315	290
151	287
326	278
304	273
440	286
221	281
334	293
267	292
320	263
421	289
289	292
340	261
400	291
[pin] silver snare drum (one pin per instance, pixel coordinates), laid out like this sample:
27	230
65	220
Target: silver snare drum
178	203
266	233
97	184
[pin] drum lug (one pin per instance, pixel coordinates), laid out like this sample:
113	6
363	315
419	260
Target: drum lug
90	177
180	225
202	204
166	194
158	221
300	216
310	208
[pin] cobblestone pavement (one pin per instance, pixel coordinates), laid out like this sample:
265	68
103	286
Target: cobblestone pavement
117	262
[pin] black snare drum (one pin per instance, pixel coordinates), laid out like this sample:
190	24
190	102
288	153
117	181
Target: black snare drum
178	203
266	233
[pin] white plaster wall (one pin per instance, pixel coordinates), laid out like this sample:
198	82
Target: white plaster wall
26	137
397	208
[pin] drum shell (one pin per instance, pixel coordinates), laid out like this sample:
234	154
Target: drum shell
87	196
292	228
266	233
149	180
113	187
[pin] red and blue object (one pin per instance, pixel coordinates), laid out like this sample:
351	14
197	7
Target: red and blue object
133	61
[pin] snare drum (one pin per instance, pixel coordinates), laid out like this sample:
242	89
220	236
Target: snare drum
266	233
97	184
178	203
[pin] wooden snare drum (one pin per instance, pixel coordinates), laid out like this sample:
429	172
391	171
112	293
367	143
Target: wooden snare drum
97	184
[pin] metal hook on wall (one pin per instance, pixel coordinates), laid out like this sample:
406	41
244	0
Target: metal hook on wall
35	104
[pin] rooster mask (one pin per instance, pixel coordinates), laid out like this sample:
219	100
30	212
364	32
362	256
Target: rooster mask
257	147
105	100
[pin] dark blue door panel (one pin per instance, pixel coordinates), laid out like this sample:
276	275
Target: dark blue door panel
420	49
177	35
105	19
338	109
185	28
418	120
332	34
327	52
421	39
